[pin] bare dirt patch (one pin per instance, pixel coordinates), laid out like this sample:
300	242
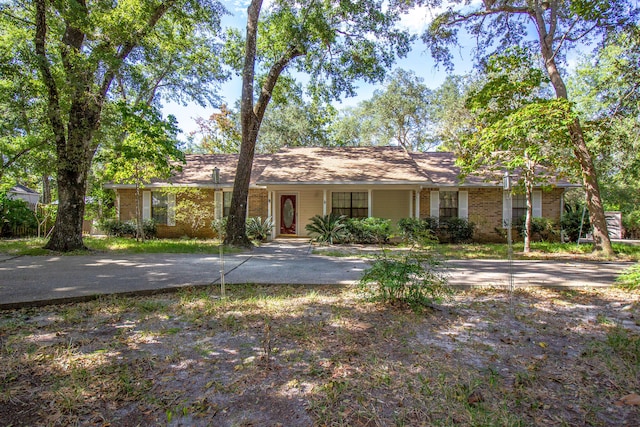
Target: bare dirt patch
300	356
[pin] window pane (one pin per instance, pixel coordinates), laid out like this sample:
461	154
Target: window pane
518	209
359	200
226	203
159	207
352	205
448	204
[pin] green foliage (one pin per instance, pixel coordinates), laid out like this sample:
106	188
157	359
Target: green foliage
631	224
368	230
630	278
571	219
329	228
259	230
455	230
16	217
219	227
625	344
428	230
149	147
399	113
117	228
415	279
193	208
418	231
542	229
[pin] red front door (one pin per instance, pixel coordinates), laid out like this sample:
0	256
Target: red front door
288	214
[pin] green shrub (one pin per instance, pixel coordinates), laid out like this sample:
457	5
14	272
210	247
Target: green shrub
414	279
219	227
16	217
571	219
429	230
542	230
455	230
631	224
117	228
329	228
368	230
418	231
259	230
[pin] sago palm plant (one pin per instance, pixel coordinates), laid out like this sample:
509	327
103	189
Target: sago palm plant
329	228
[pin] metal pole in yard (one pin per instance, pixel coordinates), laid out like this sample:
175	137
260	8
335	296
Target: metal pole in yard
216	182
509	211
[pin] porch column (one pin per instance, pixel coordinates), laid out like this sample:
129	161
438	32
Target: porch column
272	211
418	203
370	202
324	202
411	196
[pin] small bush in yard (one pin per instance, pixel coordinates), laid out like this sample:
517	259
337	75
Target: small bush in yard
329	228
219	227
456	230
117	228
368	230
259	230
418	231
414	279
542	230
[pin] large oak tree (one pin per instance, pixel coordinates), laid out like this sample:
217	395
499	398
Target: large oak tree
335	42
81	48
555	27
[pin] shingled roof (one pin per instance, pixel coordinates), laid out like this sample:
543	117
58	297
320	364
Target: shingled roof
337	165
198	170
341	165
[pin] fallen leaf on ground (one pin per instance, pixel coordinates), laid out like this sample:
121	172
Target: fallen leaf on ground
630	399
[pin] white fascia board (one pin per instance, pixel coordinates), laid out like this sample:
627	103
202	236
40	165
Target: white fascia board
165	185
351	183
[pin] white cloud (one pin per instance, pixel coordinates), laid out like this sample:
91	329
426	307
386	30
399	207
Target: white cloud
417	20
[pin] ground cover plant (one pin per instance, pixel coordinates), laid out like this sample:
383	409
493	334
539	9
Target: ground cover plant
309	356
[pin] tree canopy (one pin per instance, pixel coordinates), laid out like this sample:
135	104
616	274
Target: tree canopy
553	28
80	56
335	42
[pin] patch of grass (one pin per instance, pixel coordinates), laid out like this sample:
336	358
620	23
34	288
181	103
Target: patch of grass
630	278
23	247
119	245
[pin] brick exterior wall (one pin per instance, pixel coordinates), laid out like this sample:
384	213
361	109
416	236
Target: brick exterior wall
126	206
485	210
258	203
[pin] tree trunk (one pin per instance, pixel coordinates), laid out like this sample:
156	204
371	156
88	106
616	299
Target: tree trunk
236	223
251	118
67	232
46	189
601	241
528	218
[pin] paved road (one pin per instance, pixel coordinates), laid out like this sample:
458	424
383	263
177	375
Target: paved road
28	280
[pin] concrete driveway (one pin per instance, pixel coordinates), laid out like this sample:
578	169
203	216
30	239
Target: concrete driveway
29	280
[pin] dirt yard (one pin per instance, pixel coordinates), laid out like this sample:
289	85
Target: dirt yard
301	356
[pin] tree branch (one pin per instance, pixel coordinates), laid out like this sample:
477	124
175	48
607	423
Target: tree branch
53	104
272	79
127	48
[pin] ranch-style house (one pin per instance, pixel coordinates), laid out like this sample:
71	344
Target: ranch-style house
294	184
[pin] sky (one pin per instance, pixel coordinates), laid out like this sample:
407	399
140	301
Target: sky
419	61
